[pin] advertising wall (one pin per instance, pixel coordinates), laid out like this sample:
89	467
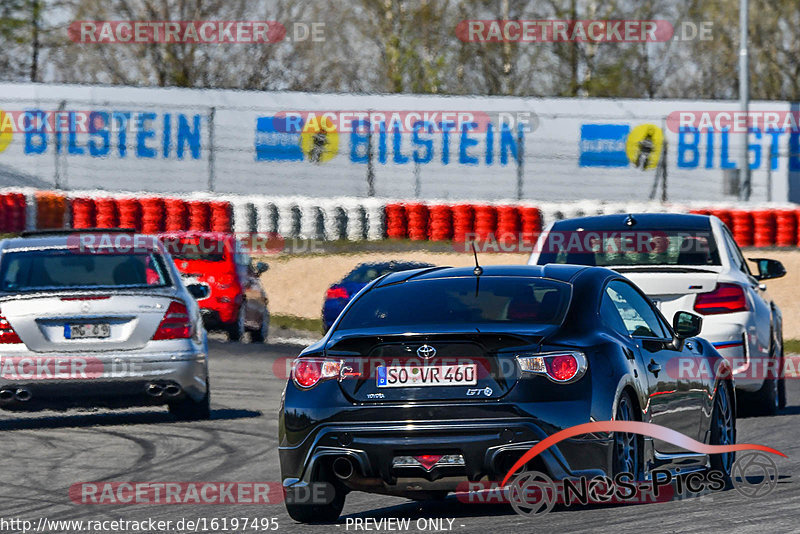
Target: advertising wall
182	140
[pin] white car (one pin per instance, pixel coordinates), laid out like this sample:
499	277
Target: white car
690	263
99	319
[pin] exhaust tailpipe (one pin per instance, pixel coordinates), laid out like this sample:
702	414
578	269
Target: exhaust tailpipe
155	390
343	467
23	395
172	390
6	395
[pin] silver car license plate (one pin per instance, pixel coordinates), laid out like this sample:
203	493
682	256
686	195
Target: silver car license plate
87	331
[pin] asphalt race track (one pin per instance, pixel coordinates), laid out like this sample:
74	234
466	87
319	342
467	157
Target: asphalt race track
43	454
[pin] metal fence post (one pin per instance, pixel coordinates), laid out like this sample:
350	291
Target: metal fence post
370	167
520	160
211	170
664	168
57	148
417	180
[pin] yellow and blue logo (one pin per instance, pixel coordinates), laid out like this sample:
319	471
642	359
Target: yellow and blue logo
617	145
317	140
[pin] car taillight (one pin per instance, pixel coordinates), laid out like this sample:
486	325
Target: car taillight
176	323
337	292
726	298
308	372
7	334
561	367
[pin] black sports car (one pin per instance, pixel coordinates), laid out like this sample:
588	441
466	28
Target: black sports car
433	377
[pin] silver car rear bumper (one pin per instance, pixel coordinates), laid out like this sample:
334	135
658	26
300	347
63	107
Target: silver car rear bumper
114	375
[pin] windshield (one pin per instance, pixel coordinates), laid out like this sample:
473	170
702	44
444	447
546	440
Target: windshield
55	269
469	300
195	248
639	247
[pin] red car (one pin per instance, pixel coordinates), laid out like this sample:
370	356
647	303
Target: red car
237	301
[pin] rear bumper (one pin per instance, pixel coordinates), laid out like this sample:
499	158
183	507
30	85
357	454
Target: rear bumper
89	379
489	449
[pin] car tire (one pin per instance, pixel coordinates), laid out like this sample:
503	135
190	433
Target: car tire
627	453
260	335
318	513
188	409
236	329
723	430
767	399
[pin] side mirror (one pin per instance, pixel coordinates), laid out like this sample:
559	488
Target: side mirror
768	269
260	268
686	324
198	291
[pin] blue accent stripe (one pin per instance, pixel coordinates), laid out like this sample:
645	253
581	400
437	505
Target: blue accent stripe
727	344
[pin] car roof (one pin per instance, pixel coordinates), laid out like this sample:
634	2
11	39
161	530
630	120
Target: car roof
561	272
661	221
62	241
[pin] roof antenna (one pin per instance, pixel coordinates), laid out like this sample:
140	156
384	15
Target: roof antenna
630	221
478	270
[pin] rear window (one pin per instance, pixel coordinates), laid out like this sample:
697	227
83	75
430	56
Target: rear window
195	248
58	269
634	247
468	300
363	274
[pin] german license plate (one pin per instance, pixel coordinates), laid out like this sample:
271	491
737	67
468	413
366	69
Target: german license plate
87	331
463	374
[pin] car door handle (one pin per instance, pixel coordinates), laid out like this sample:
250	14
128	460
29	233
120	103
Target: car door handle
653	367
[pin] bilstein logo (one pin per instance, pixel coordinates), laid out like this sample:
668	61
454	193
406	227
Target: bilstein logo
617	145
398	137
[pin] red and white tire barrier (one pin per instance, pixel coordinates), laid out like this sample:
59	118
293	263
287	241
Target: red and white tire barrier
353	218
